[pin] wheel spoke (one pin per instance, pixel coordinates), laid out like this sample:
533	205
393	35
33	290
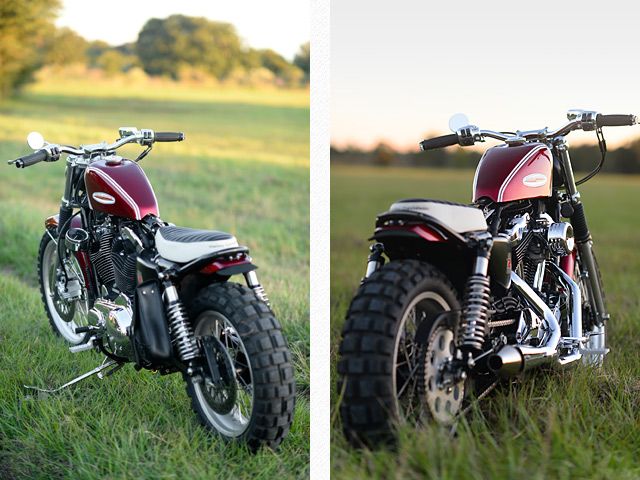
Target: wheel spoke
409	379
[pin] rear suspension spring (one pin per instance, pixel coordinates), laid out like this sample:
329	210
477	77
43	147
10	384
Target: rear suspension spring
179	326
475	313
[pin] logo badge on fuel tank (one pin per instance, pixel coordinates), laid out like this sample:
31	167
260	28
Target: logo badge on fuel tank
535	180
103	198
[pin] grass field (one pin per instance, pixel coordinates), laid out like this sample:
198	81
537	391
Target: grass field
554	424
242	169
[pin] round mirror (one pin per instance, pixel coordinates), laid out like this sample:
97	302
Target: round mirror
457	121
35	140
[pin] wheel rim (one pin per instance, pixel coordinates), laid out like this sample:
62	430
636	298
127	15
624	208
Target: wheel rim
66	316
234	423
409	357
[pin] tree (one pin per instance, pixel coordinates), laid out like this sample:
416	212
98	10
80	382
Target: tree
384	155
164	46
302	60
23	28
64	47
285	71
112	61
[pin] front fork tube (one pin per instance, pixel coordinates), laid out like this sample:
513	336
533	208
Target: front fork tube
252	282
583	237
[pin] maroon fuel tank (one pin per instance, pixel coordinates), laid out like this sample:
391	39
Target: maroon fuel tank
507	173
119	187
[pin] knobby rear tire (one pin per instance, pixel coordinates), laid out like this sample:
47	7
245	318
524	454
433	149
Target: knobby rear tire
369	410
269	357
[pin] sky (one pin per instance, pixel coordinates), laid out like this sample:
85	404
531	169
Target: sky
282	25
400	69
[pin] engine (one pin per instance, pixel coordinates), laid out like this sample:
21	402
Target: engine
114	259
536	240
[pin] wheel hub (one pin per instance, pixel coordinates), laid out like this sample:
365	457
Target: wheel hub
443	377
220	386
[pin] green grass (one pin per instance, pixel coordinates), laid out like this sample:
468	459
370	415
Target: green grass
242	169
577	423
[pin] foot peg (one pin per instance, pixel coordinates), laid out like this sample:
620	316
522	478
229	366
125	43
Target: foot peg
106	364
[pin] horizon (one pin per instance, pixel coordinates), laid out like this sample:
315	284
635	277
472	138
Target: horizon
401	70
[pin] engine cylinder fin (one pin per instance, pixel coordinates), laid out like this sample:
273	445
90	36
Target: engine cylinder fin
124	266
102	258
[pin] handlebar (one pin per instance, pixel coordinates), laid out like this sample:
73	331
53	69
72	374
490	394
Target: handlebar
51	152
439	142
169	136
615	120
579	120
31	159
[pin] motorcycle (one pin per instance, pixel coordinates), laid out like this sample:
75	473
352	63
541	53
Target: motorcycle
456	297
116	278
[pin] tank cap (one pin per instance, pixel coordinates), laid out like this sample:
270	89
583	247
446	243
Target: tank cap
113	160
515	140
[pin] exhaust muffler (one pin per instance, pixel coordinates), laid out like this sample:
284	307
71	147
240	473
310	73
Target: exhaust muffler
510	359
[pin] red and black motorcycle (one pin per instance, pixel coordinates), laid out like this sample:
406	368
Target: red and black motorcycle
116	278
471	293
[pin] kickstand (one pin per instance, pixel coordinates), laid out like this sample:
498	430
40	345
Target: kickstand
105	364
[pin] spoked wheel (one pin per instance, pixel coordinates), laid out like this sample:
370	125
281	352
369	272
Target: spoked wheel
395	352
419	368
227	401
443	397
65	314
248	389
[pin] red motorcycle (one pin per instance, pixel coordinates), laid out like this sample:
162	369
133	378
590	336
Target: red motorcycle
116	278
472	293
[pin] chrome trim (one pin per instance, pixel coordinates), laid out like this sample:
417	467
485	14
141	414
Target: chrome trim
519	225
560	238
575	316
538	278
534	356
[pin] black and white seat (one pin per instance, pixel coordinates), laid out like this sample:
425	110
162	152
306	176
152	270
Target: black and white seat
183	245
458	217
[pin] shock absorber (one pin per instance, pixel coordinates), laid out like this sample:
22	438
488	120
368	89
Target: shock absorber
253	283
179	326
473	328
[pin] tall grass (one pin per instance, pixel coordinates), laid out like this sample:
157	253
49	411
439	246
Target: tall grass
244	169
577	423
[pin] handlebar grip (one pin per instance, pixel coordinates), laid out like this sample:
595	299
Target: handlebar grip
439	142
615	120
31	159
168	136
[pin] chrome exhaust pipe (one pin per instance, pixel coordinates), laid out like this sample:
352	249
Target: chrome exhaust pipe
508	361
505	361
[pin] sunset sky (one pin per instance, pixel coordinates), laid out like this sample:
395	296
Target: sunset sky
400	69
282	25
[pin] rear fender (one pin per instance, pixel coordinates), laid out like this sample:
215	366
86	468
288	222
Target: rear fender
421	237
214	268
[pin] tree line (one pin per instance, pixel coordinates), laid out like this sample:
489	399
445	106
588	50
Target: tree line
179	47
584	158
